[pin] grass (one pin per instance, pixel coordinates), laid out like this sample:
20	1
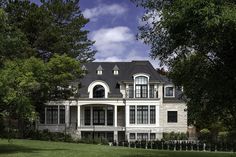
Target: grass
30	148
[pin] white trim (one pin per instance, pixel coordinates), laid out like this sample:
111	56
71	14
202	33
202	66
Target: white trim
138	75
98	82
166	86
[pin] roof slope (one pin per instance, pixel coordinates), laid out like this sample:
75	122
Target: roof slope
126	72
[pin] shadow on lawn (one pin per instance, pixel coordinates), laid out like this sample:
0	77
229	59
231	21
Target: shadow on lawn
12	148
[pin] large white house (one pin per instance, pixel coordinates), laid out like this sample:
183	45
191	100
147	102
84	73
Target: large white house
119	101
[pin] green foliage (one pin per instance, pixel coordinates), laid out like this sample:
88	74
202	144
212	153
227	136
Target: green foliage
38	47
53	27
205	135
174	136
13	43
26	84
196	39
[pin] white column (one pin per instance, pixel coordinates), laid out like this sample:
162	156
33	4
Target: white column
115	116
67	115
105	115
116	136
160	92
91	115
78	116
126	116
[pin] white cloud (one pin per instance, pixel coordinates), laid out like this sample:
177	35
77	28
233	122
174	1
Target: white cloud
118	44
104	9
112	41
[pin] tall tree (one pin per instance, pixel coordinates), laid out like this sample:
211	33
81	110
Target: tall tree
53	27
196	39
13	42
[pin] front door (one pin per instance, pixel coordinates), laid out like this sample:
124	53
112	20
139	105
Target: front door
98	116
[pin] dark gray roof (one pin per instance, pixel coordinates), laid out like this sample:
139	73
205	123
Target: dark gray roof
126	72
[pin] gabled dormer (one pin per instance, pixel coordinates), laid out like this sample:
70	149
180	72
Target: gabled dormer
99	70
115	70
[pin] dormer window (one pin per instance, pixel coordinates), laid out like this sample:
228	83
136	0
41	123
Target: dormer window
169	91
99	70
115	70
141	87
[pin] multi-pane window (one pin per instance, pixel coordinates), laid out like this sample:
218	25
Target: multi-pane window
52	115
169	91
151	91
98	116
172	116
152	114
87	115
142	114
152	136
62	114
110	115
142	136
131	91
141	87
132	136
132	115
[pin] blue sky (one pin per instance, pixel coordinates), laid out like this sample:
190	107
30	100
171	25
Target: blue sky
113	25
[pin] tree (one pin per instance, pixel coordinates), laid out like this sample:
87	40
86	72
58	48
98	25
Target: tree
27	84
196	39
53	27
13	43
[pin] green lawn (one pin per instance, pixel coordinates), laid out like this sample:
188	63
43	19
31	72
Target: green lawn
30	148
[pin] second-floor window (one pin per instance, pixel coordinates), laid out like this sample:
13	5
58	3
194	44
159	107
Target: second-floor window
169	91
98	92
141	87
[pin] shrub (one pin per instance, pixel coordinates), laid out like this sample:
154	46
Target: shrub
205	135
174	136
223	136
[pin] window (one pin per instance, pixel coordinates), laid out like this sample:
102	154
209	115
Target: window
62	114
152	114
52	115
132	114
142	114
131	91
87	116
142	136
109	115
169	91
115	72
99	72
98	91
151	91
132	136
172	117
141	88
98	116
152	136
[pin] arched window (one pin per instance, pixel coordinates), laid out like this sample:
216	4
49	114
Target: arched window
141	87
98	91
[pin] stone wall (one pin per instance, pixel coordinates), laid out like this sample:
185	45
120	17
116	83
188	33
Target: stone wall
181	125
